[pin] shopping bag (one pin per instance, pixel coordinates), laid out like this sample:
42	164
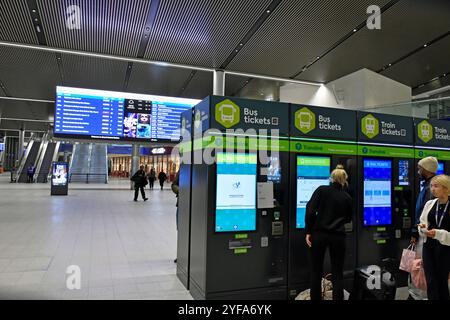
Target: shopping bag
408	256
418	275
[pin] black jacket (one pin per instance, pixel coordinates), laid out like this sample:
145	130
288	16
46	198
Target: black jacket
139	178
329	209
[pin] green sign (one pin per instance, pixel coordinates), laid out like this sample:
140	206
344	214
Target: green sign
240	251
228	113
325	148
242	143
241	236
321	162
376	151
305	120
425	131
439	154
370	126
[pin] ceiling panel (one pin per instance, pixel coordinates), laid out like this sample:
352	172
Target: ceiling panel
433	85
107	26
233	84
406	26
298	31
201	32
200	86
422	66
29	73
157	80
93	73
15	22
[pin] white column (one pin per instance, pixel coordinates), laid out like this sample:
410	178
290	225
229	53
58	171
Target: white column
134	161
219	83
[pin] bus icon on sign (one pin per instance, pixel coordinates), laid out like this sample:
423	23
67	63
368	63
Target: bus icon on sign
370	126
305	120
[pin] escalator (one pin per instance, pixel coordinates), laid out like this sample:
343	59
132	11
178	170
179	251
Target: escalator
31	157
45	165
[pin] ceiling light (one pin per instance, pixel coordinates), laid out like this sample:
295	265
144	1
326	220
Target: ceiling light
390	64
268	11
425	45
354	30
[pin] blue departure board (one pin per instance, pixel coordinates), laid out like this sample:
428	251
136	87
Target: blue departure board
98	114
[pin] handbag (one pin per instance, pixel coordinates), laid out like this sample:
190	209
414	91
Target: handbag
418	275
408	256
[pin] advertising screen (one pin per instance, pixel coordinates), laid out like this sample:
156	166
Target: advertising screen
312	172
441	168
2	146
403	172
59	174
98	114
236	192
377	192
274	169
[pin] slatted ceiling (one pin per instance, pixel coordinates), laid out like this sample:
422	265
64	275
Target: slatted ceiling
233	84
29	73
15	22
436	84
297	32
422	65
93	73
157	80
201	32
200	86
107	26
402	31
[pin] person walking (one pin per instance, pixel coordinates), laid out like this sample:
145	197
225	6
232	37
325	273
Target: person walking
30	174
162	177
435	227
151	178
328	210
140	181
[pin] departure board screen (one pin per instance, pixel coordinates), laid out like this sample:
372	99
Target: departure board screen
110	115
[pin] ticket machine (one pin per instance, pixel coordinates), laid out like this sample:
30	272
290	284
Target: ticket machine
239	206
386	189
320	139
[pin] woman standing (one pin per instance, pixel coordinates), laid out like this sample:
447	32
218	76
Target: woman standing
329	209
435	226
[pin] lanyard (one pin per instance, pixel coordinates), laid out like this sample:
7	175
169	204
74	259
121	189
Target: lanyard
438	223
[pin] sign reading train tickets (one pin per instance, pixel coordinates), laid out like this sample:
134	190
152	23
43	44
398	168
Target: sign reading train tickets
435	133
234	113
316	122
375	127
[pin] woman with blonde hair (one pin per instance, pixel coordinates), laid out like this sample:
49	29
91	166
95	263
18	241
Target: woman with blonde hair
328	210
435	228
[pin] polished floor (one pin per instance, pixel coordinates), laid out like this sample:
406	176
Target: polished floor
124	249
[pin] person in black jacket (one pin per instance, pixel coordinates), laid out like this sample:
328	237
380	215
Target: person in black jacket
328	210
162	177
140	181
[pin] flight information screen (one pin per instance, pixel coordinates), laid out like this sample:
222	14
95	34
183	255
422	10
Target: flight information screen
98	114
377	192
312	172
236	192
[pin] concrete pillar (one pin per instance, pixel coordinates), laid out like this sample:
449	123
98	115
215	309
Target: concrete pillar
21	144
134	161
219	83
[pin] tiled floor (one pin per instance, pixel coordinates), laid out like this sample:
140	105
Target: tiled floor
125	250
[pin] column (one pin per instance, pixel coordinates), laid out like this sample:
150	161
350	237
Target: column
134	161
219	83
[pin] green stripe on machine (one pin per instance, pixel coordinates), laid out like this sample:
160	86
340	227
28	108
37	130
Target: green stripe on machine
439	154
320	147
380	151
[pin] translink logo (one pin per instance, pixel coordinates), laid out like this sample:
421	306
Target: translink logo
228	113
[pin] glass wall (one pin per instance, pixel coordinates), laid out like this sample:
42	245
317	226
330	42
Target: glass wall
121	165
